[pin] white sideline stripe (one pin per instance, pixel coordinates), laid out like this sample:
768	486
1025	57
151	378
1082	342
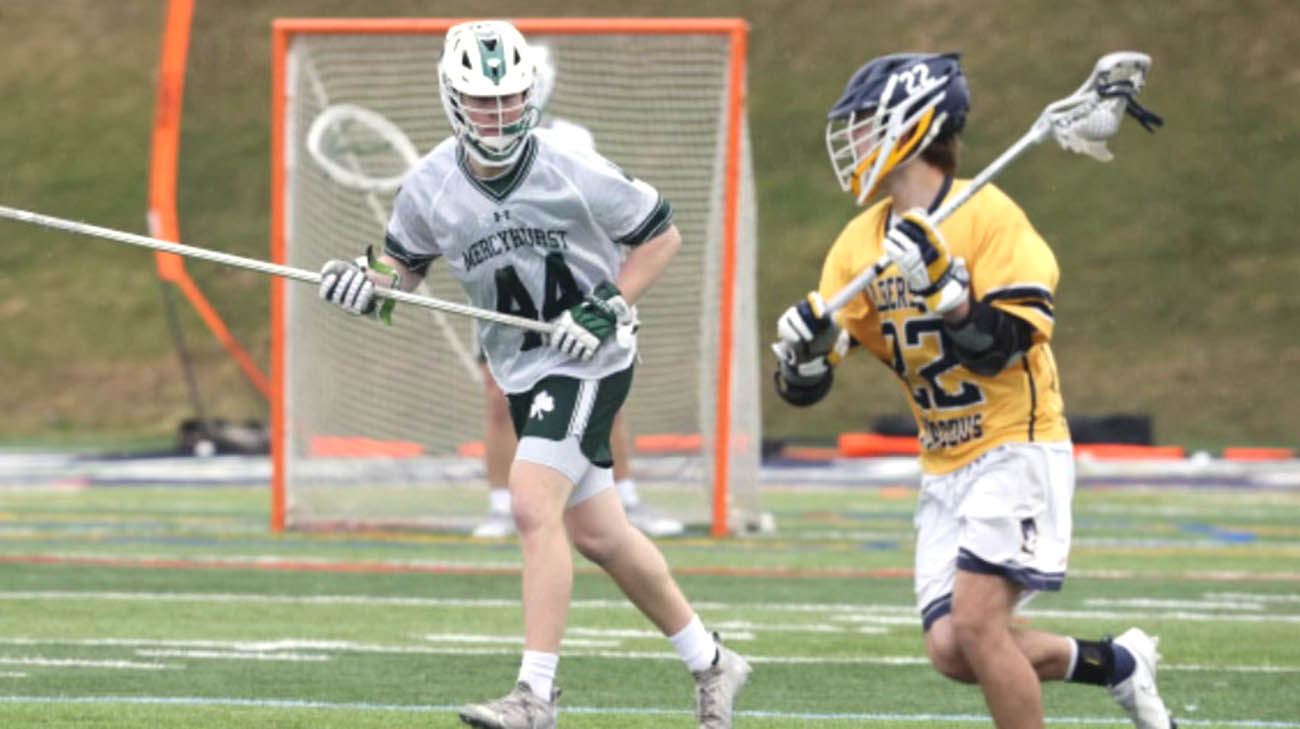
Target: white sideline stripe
514	639
849	612
12	674
235	655
1164	604
1251	597
83	663
257	649
608	711
272	559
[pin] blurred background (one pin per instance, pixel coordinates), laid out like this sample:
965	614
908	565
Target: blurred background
1177	298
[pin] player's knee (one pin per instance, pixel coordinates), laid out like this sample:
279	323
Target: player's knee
946	654
532	513
599	546
971	629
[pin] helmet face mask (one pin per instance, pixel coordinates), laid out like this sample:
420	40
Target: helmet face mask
891	110
487	80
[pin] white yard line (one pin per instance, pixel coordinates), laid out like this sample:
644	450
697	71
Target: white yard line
284	649
892	614
619	711
515	640
232	655
83	663
1252	597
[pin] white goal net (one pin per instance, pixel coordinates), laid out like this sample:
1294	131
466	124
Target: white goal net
383	426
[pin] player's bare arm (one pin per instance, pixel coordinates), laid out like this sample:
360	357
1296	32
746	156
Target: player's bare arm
644	264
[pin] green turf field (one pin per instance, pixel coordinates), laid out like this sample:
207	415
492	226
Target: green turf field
175	607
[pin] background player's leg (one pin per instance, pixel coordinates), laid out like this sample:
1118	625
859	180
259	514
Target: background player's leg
643	516
498	453
982	608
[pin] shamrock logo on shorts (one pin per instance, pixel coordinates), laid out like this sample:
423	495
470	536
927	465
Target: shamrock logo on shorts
543	403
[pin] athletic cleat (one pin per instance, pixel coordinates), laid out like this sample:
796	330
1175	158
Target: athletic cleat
653	522
519	709
716	688
499	525
1137	694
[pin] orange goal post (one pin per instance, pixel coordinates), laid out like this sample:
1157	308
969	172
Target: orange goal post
382	426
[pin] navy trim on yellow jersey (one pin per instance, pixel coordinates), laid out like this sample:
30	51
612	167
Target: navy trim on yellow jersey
1019	292
415	262
1033	396
655	223
943	193
1033	297
934	204
499	188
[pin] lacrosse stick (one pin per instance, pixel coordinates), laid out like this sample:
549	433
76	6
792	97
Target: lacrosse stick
1081	123
273	269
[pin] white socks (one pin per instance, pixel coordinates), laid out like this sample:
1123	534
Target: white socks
627	492
538	671
499	500
695	645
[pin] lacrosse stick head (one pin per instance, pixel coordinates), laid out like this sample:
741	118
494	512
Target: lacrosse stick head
1085	120
360	149
892	109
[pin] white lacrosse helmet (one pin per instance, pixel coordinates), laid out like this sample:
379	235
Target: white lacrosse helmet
890	111
545	75
487	76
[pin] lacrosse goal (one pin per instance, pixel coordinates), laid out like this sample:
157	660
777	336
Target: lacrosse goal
377	426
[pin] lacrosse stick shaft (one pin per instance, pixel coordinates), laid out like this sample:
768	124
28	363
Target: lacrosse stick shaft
271	269
1036	134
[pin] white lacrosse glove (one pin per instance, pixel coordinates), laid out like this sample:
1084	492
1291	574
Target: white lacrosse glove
809	344
922	257
348	285
581	329
805	332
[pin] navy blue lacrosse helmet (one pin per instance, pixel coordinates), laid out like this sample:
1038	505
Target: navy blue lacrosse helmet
870	127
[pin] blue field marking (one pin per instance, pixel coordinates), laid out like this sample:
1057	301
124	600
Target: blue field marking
1219	534
606	711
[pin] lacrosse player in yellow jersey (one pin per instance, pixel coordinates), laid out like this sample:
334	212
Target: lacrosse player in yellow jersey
964	318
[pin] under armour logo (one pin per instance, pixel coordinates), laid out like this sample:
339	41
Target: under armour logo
543	403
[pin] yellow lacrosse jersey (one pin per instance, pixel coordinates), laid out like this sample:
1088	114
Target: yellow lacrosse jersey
959	414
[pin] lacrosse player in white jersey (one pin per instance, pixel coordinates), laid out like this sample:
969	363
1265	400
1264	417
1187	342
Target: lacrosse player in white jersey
533	228
499	438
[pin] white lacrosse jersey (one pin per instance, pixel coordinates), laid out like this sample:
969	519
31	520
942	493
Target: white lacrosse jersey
532	242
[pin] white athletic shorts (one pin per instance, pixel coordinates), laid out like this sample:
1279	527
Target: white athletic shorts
567	458
1006	513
